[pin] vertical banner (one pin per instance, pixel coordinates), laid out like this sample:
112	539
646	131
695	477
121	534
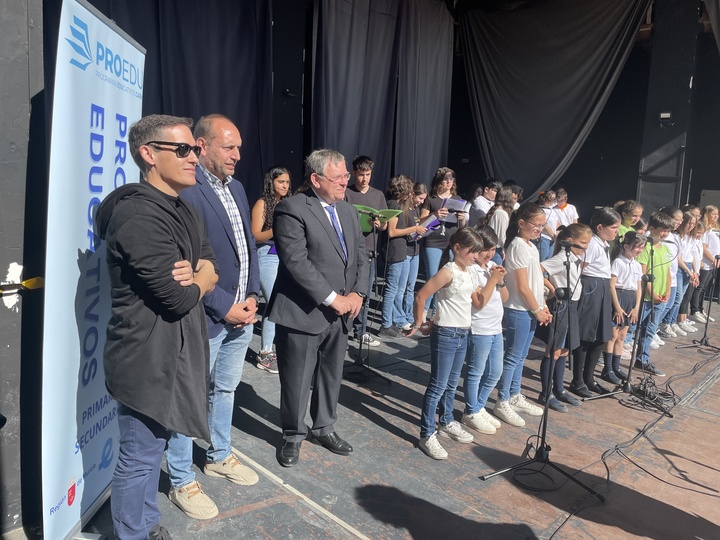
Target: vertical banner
98	95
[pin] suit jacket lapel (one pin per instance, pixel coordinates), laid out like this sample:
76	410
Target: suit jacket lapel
322	216
212	198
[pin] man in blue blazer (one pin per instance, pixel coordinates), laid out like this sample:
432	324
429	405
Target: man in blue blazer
230	311
322	274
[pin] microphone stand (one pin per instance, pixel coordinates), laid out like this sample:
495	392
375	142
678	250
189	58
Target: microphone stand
360	371
542	452
638	391
704	341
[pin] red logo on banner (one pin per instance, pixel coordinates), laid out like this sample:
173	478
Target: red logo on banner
71	492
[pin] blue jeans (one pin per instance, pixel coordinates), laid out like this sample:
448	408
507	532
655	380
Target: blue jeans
413	263
447	354
135	481
268	265
431	263
395	280
519	332
667	316
546	248
485	365
227	358
651	328
672	309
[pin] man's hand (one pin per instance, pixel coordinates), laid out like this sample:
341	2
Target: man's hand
344	305
242	314
183	272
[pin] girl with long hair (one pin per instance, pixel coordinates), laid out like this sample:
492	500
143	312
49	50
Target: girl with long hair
498	218
524	310
454	285
276	187
711	249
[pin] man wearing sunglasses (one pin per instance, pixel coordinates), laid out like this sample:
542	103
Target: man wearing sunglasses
230	309
319	290
156	355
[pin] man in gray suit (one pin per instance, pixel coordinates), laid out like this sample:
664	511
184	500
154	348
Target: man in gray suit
318	292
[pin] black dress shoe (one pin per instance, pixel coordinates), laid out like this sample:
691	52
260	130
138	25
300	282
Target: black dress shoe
567	398
289	454
595	387
609	376
581	391
334	443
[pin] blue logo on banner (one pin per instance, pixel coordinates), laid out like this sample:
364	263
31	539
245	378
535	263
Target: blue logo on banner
81	44
107	454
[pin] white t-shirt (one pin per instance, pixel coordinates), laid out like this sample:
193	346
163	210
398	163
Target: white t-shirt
523	254
555	267
488	320
567	215
499	222
597	258
479	209
553	221
627	273
711	239
454	302
673	244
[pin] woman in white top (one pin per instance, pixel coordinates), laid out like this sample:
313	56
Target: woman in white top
688	275
454	286
524	310
485	345
692	254
670	325
711	249
595	309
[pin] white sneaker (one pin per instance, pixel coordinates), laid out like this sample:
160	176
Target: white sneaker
698	317
455	431
708	317
505	412
627	346
678	331
497	424
689	328
407	326
520	404
626	355
432	447
477	422
367	339
657	340
654	345
666	331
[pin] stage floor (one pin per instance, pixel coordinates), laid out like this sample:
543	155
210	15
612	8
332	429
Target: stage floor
659	475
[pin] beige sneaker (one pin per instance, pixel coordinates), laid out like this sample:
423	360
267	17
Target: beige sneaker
233	470
192	500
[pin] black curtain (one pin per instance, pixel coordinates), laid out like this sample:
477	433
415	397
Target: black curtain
539	74
713	10
203	57
382	73
424	88
355	80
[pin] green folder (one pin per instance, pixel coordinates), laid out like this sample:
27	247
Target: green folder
367	215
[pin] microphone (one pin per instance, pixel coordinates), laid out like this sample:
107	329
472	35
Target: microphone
568	245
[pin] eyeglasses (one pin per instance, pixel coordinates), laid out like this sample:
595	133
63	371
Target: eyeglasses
536	225
452	179
343	177
182	150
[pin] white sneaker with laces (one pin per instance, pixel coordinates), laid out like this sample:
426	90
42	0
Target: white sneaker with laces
505	412
678	331
689	328
520	404
367	339
497	424
432	447
657	340
666	331
699	318
654	345
455	431
477	422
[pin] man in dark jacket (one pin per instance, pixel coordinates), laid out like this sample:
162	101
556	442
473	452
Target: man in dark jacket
156	353
230	308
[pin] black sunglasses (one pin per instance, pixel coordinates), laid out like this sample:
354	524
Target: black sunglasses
182	150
